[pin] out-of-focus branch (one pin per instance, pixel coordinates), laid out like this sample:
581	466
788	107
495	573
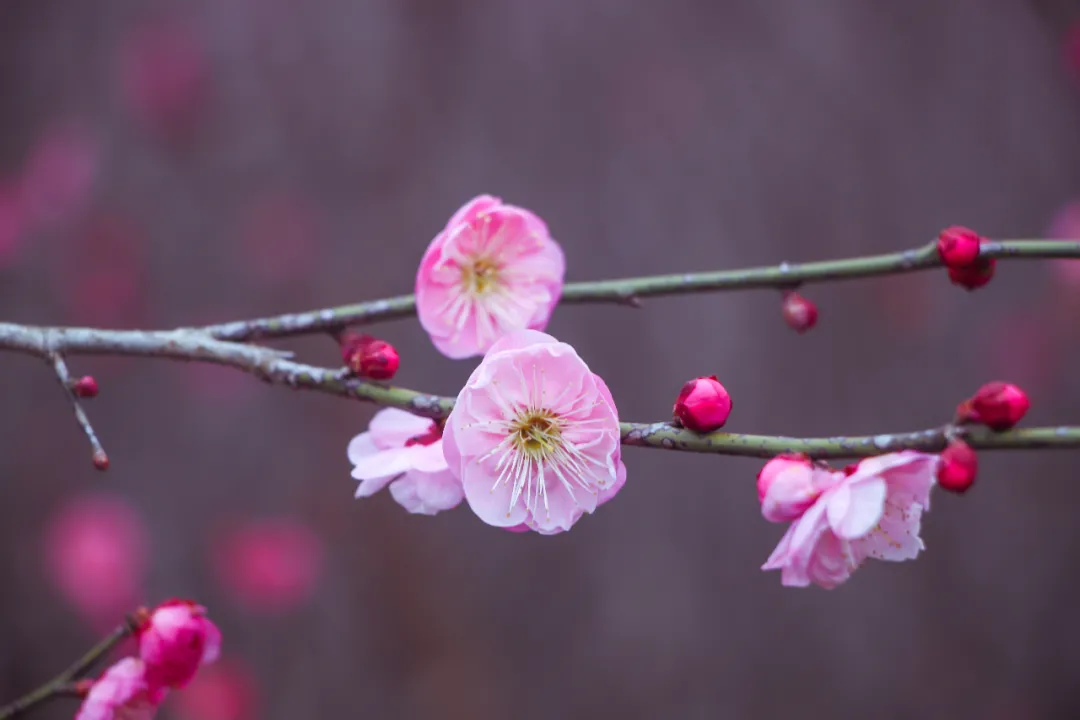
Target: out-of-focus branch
64	684
630	291
275	367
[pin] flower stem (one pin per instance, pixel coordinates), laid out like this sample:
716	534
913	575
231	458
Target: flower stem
629	291
63	684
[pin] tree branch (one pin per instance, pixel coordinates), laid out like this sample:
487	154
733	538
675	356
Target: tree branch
275	367
63	684
629	291
99	457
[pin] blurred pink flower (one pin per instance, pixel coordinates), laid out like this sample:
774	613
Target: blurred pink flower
121	693
58	176
1025	347
492	270
225	690
534	436
1066	226
177	639
405	451
164	75
95	550
874	512
270	565
1071	49
277	238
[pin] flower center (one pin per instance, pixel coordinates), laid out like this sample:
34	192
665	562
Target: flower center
536	433
433	434
480	277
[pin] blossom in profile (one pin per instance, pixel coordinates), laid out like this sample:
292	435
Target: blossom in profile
175	641
534	436
873	512
405	451
122	693
492	270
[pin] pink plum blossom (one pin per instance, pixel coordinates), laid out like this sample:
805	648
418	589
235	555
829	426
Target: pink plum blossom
874	512
494	269
788	485
406	452
95	550
175	641
271	564
534	436
164	76
59	175
122	693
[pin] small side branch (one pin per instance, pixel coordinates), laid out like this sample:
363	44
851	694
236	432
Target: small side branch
66	683
99	457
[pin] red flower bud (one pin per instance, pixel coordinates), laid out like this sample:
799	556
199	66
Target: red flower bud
703	405
997	405
958	246
369	357
100	460
799	313
85	387
973	276
958	467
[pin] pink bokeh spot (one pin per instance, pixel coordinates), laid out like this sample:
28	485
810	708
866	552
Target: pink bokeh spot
164	76
494	269
270	565
534	436
96	553
122	693
875	512
226	690
58	176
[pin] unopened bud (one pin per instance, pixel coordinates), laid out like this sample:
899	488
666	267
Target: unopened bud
85	387
703	405
369	357
973	276
100	460
997	405
799	313
958	468
787	486
958	247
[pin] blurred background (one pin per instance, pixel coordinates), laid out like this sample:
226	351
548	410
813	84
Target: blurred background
177	163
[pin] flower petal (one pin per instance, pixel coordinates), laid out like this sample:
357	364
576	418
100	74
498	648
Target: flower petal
427	493
854	508
392	428
360	447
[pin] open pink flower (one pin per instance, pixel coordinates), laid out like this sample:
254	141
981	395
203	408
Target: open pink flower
874	512
492	270
534	436
406	451
176	640
122	693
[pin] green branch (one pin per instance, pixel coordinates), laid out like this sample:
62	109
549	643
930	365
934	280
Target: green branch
632	290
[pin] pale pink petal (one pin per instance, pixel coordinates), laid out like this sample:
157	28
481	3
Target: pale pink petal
361	447
392	428
832	562
427	493
620	479
468	212
428	458
384	464
489	499
854	508
521	339
451	454
896	538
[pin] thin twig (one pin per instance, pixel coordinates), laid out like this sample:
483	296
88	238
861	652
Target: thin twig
99	457
630	291
63	684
